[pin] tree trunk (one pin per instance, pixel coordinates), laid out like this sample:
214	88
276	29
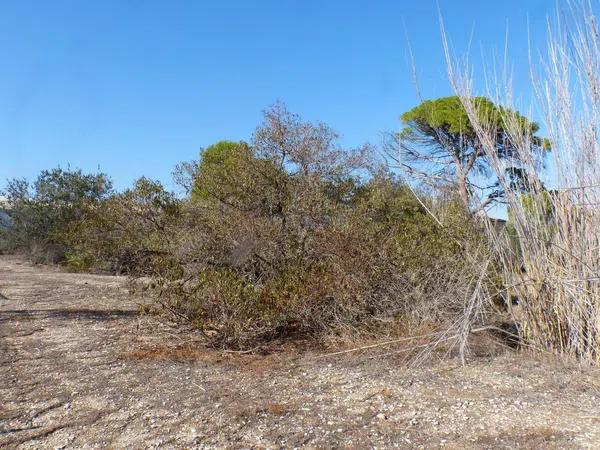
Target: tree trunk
463	192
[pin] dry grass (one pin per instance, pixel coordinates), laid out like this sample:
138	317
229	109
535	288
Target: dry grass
550	258
165	353
535	438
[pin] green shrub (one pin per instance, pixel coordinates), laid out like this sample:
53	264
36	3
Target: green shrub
127	232
79	262
40	214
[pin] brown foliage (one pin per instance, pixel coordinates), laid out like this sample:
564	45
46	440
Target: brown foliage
310	250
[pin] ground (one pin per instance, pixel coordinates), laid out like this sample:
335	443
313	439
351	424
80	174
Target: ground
79	368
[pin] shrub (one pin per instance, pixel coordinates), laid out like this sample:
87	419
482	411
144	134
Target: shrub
293	242
40	214
287	236
126	232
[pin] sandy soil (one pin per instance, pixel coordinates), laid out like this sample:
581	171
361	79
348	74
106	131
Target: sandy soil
80	369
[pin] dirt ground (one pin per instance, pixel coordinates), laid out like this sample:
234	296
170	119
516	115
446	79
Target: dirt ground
80	369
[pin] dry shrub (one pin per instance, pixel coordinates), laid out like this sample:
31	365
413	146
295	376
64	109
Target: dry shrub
356	279
283	239
289	236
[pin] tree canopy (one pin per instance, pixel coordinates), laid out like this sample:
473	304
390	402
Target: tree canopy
221	171
440	144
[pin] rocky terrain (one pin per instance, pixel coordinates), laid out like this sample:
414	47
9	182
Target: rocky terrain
79	368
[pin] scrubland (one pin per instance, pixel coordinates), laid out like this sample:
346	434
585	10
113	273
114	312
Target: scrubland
438	288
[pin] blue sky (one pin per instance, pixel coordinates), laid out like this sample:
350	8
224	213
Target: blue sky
135	87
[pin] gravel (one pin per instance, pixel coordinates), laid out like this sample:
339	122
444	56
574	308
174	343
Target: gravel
79	368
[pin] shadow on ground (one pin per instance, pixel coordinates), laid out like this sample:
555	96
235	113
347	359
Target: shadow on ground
66	314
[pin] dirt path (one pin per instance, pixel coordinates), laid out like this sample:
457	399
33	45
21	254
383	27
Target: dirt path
79	369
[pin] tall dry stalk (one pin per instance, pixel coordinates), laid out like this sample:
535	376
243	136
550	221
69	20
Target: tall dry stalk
550	254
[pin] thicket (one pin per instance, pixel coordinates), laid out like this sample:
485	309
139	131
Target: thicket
39	214
548	257
291	235
288	235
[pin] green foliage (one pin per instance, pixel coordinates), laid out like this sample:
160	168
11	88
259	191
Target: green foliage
414	242
540	204
40	217
230	175
127	232
223	172
538	209
448	114
440	145
79	262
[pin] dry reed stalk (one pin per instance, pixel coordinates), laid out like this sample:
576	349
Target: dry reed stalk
552	251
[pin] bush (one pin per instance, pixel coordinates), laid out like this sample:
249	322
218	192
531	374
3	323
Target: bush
283	239
126	232
41	214
289	235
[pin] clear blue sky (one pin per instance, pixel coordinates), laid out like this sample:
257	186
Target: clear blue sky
135	87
